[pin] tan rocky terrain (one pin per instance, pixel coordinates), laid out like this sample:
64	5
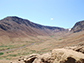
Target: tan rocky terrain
62	55
71	45
22	41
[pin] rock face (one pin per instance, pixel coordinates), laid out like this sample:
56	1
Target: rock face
79	48
62	55
66	56
22	26
79	26
36	58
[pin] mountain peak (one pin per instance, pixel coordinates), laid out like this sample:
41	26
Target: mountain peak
12	17
79	26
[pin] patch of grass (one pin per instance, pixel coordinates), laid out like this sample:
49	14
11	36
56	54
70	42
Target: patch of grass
27	41
60	39
7	59
52	36
9	51
8	48
1	53
12	55
44	49
3	46
33	51
25	53
38	43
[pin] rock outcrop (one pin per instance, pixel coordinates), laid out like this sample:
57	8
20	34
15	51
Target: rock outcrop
77	48
66	56
62	55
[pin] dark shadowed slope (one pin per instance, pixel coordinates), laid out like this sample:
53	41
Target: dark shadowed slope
17	26
79	26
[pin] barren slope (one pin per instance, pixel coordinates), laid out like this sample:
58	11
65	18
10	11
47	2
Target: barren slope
79	26
15	26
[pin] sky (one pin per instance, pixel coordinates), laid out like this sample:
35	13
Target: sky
59	13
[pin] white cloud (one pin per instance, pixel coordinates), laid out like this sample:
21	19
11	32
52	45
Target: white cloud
51	18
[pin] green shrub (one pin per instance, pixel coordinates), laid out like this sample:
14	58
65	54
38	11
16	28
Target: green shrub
52	36
8	48
60	39
1	53
12	55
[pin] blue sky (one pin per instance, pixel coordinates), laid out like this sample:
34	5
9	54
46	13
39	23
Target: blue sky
64	13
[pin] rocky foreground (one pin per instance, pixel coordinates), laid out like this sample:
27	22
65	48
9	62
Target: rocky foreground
62	55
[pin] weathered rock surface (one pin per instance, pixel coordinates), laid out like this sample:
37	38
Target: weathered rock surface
66	56
62	55
79	48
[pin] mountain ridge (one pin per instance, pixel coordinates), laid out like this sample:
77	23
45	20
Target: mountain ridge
15	24
79	26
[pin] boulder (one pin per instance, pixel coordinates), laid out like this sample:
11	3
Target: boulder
44	58
62	55
66	56
77	48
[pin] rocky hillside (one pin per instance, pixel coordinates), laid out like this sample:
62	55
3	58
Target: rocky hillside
18	26
63	55
79	26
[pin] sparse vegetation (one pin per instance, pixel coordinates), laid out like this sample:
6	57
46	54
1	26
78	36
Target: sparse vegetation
56	38
1	53
52	36
12	55
44	49
60	39
36	46
33	51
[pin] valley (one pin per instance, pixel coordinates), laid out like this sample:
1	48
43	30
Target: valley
20	37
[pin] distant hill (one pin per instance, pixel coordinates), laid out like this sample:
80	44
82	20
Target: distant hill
79	26
17	26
